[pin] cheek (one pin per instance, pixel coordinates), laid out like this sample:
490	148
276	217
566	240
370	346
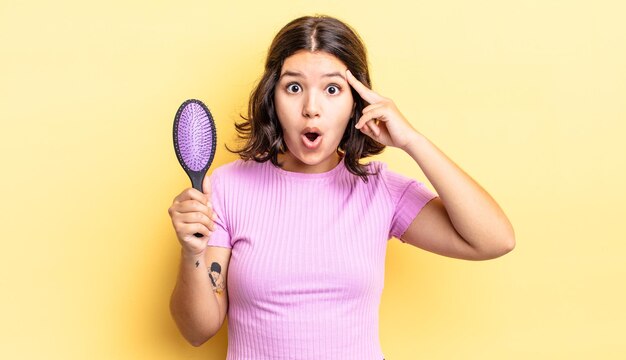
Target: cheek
281	110
347	112
342	124
349	104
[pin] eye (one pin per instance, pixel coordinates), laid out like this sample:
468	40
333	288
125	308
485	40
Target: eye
333	89
293	88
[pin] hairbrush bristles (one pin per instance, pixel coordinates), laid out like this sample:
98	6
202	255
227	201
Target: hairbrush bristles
195	145
194	139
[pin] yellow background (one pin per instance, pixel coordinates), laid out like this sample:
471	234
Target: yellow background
528	97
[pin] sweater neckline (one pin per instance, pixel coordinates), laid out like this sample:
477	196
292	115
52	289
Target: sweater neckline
309	176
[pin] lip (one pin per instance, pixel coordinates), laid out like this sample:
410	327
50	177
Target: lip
313	130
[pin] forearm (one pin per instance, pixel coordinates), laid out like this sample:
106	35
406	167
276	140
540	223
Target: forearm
193	303
473	212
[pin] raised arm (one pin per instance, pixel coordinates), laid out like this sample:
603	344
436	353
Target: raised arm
464	221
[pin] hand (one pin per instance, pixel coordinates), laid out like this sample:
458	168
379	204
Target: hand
381	120
191	213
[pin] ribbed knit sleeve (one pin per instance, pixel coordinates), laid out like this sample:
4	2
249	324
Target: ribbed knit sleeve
221	236
408	196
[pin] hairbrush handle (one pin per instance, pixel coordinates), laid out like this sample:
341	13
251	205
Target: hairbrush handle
196	182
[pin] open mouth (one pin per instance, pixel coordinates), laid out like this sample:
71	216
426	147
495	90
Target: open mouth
311	136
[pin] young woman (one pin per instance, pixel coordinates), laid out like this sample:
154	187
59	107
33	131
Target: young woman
300	226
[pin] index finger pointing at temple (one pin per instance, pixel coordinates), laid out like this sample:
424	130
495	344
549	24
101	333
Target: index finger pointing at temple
366	93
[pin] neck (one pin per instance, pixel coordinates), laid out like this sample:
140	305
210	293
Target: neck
292	163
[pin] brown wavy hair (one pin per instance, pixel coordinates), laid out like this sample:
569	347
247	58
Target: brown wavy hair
261	129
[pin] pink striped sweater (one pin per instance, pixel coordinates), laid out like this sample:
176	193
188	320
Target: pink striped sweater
307	265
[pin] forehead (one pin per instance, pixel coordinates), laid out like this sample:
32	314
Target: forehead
312	63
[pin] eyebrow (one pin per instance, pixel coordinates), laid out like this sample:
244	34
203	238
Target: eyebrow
299	74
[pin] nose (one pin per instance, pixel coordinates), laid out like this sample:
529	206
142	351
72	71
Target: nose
310	108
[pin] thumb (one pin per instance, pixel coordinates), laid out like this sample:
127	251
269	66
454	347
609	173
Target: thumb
206	186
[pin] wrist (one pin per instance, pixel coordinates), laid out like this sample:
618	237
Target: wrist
414	139
189	255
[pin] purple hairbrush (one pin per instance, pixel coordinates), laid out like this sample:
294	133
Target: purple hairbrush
194	141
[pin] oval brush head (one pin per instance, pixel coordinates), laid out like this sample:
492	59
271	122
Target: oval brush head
195	140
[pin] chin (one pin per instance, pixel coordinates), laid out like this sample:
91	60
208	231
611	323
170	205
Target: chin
310	159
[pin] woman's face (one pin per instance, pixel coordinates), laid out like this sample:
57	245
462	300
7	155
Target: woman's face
312	97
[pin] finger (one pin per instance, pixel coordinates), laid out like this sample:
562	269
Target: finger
206	187
374	127
190	194
191	206
190	229
194	206
371	129
378	114
197	217
367	131
366	93
371	107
